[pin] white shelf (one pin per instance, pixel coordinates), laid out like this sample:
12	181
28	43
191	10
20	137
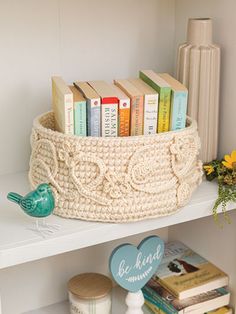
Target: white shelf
118	305
59	308
19	245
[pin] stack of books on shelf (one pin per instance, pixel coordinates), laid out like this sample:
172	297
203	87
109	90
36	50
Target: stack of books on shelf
150	104
185	282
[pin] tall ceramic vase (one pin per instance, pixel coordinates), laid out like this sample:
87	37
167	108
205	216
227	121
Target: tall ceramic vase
199	70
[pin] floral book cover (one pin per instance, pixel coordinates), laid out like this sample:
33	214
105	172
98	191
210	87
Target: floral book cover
185	273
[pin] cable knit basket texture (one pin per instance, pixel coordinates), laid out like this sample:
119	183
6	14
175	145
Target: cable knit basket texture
115	179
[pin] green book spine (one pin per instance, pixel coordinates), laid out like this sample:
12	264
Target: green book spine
157	300
163	124
80	118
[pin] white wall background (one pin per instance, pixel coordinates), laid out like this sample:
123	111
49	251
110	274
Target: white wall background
77	39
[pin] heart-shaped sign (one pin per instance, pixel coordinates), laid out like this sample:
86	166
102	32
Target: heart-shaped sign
132	267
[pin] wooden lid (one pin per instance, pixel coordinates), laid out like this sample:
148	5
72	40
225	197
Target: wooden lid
90	286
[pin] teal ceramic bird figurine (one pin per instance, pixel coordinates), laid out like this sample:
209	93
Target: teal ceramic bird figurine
39	204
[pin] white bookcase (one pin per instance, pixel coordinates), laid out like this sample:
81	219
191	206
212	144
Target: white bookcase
94	39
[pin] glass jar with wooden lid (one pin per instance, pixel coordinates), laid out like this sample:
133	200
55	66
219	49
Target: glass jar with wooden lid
90	293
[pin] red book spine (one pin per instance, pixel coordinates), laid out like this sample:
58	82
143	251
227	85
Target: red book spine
109	116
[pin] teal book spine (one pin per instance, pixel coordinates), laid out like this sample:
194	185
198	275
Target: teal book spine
178	113
80	118
158	301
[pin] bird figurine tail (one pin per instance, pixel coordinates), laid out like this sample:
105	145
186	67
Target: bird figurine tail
14	197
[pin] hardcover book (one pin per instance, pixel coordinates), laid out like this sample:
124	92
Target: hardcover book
124	112
80	127
179	101
161	298
164	91
93	108
186	274
62	105
109	108
136	106
150	109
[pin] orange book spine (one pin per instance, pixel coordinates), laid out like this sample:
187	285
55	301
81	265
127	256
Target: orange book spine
124	117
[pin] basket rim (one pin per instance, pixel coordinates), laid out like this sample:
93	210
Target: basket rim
37	125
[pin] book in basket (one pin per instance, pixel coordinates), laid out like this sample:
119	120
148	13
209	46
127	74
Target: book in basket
62	104
164	91
157	297
136	106
93	104
179	102
186	274
109	108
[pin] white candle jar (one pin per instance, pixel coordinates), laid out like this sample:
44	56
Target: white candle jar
90	293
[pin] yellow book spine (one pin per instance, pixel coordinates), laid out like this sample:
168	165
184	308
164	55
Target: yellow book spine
154	308
222	310
164	111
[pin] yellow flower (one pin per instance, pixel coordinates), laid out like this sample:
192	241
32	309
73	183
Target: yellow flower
209	169
230	161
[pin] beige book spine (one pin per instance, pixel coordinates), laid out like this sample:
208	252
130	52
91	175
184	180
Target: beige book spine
136	110
136	117
150	114
63	108
69	115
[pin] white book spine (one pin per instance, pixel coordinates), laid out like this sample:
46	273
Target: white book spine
69	114
94	117
150	114
109	120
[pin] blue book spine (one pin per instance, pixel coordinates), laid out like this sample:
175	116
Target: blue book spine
158	301
178	114
80	123
94	117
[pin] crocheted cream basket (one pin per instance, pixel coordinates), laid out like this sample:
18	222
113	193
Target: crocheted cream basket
115	179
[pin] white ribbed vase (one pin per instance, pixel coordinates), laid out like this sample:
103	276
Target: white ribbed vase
199	70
